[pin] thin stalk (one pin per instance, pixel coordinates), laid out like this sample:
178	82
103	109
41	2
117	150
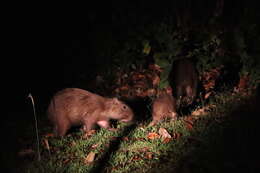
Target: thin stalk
36	127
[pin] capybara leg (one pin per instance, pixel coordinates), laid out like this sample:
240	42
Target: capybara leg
63	127
88	124
179	92
55	130
153	123
104	124
179	101
173	115
189	94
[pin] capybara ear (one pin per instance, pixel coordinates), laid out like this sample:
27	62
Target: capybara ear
115	100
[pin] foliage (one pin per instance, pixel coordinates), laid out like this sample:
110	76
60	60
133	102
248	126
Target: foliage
170	145
199	142
211	48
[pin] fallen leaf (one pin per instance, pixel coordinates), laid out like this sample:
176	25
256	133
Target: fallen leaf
90	158
155	67
144	149
199	112
49	135
66	161
176	135
139	139
166	140
46	144
207	95
113	129
209	78
94	146
125	139
189	119
136	158
243	83
189	125
126	87
156	80
138	76
151	92
89	133
169	90
164	134
152	136
113	138
148	155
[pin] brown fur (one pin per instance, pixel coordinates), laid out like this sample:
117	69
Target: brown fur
184	81
164	106
73	106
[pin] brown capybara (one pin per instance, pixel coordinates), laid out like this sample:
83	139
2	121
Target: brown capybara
73	106
164	106
183	79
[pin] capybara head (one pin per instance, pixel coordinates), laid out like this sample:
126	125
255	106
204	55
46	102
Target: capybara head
164	106
118	110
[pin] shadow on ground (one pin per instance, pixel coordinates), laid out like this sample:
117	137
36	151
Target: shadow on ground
113	147
228	144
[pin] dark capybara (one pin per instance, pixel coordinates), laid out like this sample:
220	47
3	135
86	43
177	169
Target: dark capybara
183	79
164	106
74	106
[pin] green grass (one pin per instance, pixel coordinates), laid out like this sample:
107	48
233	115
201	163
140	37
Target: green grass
223	140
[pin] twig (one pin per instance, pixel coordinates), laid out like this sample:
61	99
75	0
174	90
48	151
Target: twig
36	126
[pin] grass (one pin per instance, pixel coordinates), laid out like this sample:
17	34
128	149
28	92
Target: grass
223	140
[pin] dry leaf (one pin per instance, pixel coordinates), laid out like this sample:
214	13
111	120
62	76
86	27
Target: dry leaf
152	136
139	139
156	80
189	125
126	87
164	134
46	144
125	139
207	95
113	138
190	119
176	135
148	155
94	146
66	161
136	158
166	140
49	135
90	158
155	67
138	76
169	90
243	83
89	133
209	78
199	112
144	149
151	92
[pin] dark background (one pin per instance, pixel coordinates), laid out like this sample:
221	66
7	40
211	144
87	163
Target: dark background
46	46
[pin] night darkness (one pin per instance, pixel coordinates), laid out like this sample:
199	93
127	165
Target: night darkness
47	47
